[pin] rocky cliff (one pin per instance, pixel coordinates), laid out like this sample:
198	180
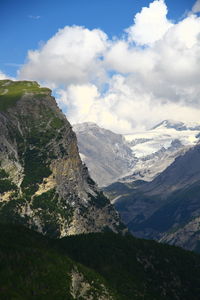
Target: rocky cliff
43	183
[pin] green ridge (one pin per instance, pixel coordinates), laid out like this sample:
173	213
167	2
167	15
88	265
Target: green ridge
12	91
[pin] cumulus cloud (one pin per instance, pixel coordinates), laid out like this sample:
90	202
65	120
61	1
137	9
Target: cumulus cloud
123	107
168	69
155	71
150	24
72	55
196	7
84	102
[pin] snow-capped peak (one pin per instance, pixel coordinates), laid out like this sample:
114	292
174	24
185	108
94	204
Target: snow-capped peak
179	126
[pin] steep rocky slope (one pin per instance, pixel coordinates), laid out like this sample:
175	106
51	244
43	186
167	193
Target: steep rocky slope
186	236
43	183
106	153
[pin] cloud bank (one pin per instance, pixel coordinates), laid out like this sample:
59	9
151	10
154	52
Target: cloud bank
149	74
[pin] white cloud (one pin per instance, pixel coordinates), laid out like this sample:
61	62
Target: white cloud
168	69
196	7
123	107
84	102
150	24
156	71
125	59
72	55
5	76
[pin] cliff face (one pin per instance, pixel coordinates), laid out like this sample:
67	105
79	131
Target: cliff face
43	183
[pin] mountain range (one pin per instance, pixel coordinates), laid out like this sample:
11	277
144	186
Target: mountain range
137	156
158	199
60	237
167	208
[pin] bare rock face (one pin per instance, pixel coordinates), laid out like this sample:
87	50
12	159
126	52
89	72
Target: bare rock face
82	289
43	183
107	154
186	236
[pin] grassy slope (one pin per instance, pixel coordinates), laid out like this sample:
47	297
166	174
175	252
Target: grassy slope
11	91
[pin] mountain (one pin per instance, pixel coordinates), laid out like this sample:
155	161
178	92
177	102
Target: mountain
158	197
142	155
186	235
157	148
180	126
167	208
45	187
106	153
104	266
43	183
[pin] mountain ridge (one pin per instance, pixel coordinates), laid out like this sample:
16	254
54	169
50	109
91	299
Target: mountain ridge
180	126
111	157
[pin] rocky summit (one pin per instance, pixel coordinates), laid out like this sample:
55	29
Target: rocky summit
43	183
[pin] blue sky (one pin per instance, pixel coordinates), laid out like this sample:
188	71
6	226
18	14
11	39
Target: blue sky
26	24
123	64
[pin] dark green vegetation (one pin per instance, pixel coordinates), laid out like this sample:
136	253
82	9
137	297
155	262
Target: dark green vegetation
11	92
51	207
6	184
100	200
138	269
36	150
34	267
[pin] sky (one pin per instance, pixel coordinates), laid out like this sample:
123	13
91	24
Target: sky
123	64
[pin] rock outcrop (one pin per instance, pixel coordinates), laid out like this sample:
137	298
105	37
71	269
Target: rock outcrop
43	183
